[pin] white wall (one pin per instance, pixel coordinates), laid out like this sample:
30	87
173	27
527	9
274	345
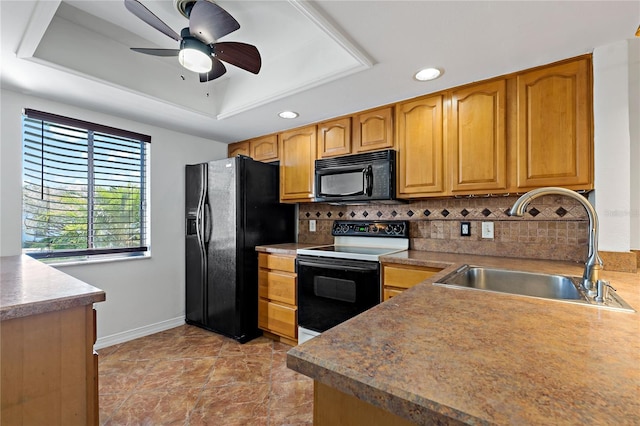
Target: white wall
634	131
616	152
144	295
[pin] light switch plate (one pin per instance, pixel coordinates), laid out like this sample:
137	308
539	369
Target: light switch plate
312	225
487	230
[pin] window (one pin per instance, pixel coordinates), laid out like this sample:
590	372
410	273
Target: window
84	188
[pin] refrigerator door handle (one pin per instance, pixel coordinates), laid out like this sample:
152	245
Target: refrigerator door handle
207	222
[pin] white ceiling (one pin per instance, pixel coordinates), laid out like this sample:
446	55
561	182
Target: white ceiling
319	58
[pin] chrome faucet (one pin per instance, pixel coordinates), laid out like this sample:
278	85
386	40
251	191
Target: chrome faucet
593	265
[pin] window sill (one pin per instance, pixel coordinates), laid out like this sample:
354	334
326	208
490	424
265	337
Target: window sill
95	260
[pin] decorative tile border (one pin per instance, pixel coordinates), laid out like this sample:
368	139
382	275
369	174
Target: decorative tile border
544	209
553	228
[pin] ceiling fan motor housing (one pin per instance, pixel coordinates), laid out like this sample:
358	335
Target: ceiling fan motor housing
184	7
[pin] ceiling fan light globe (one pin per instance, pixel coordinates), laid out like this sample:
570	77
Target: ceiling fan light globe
195	60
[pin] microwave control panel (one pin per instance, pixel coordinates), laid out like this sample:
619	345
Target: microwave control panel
380	228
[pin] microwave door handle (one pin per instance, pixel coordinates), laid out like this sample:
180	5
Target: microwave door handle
368	180
322	194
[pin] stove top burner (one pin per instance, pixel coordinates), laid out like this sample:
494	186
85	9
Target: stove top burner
363	240
355	249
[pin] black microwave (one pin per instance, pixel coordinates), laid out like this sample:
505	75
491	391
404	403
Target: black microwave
369	176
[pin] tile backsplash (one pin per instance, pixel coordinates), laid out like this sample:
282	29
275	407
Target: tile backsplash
554	227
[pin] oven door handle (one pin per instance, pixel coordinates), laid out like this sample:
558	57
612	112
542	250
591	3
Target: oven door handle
337	267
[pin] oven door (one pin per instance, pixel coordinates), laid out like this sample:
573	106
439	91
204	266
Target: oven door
331	291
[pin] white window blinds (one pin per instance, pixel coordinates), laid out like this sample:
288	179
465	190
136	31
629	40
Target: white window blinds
84	188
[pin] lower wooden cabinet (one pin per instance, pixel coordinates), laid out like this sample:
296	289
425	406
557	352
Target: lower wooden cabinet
49	368
397	278
277	309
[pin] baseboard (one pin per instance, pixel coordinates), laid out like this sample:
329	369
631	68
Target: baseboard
135	333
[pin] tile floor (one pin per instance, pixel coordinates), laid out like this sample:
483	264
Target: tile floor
190	376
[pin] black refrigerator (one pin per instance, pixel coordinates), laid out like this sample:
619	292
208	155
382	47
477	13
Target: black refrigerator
232	205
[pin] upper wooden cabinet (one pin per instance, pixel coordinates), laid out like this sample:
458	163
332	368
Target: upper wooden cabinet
263	148
554	142
297	158
334	137
239	148
477	138
373	130
420	147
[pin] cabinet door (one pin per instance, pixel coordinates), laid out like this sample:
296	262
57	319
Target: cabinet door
477	138
297	161
239	148
554	115
373	130
264	148
334	138
420	147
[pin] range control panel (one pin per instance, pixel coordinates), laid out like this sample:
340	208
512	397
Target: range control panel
379	228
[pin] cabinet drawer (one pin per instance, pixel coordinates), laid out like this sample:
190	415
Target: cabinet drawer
275	261
277	319
390	292
404	277
279	286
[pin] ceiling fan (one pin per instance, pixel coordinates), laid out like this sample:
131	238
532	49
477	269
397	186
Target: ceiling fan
198	50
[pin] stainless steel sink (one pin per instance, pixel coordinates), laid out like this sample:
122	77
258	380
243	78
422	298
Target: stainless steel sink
554	287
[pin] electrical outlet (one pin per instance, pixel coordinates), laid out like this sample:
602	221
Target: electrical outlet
312	225
487	230
465	229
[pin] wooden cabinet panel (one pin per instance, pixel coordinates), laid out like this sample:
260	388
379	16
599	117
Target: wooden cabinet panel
406	276
388	293
334	138
49	371
239	148
477	138
397	278
274	261
332	407
373	130
297	161
278	319
264	148
277	296
421	147
554	131
278	286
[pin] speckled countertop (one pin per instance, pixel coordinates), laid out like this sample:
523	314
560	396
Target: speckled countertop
29	287
435	354
285	248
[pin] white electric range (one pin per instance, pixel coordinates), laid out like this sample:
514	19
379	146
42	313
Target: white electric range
339	281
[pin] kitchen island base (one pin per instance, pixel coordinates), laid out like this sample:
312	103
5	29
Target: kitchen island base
49	368
334	408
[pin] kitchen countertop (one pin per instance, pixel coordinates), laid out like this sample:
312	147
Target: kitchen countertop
29	287
285	248
439	354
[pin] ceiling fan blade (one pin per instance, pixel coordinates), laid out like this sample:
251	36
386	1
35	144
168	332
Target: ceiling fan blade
242	55
157	52
217	70
147	16
208	22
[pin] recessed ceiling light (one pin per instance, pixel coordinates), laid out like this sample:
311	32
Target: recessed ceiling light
427	74
288	114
